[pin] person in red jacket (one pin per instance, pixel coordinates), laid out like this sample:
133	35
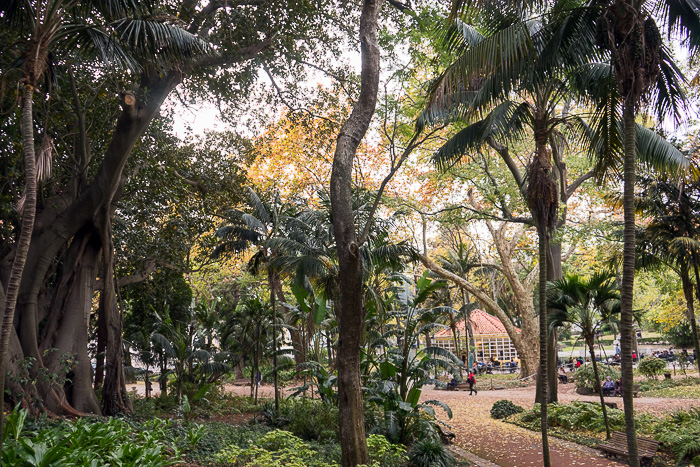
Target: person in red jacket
471	379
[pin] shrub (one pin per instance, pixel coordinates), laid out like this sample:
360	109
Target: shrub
504	408
307	418
652	367
585	378
430	452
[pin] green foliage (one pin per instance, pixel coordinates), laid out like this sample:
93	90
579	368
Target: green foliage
430	452
680	335
652	367
216	436
585	378
504	408
681	433
86	443
277	448
397	378
307	418
382	453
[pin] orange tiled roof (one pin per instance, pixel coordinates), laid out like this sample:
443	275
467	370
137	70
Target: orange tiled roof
482	323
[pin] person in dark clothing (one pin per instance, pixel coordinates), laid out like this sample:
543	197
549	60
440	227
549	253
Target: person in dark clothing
471	379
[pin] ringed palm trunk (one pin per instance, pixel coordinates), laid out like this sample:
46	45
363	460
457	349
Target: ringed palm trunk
627	289
589	342
543	343
25	236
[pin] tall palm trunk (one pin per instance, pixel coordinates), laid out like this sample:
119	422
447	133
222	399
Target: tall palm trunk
589	341
543	343
542	201
627	289
25	236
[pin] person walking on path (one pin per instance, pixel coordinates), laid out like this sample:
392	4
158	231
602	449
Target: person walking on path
471	379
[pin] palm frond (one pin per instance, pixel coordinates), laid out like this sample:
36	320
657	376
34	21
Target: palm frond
658	153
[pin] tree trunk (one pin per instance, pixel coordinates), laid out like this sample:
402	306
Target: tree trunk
554	272
627	289
589	341
351	313
542	376
66	330
25	237
101	347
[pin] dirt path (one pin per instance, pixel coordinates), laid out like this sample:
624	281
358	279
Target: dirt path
507	445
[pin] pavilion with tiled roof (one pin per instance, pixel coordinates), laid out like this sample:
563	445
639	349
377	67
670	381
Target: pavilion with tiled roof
490	337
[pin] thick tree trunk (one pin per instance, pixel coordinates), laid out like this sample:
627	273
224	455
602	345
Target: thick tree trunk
627	289
67	326
351	313
690	306
23	243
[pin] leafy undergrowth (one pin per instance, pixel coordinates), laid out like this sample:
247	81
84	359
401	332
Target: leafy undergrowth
87	442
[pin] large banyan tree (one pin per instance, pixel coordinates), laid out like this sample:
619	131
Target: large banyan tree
141	52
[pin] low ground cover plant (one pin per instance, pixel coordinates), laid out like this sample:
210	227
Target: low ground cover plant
280	448
86	442
683	388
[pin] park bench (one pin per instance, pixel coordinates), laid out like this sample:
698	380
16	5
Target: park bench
617	446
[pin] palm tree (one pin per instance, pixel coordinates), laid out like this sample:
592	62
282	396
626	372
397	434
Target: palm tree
102	29
247	332
461	262
585	303
185	346
642	67
258	229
